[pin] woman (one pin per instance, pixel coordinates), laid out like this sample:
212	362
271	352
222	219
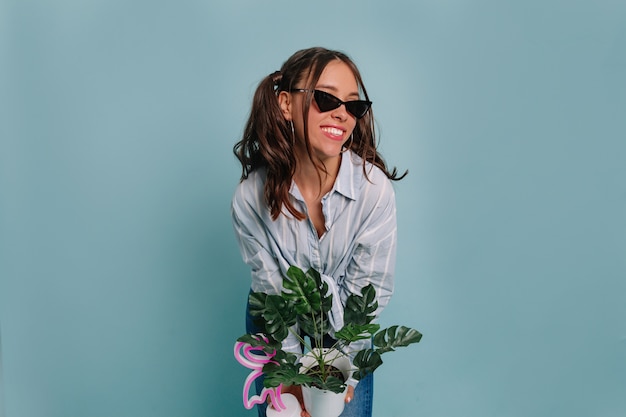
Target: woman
314	191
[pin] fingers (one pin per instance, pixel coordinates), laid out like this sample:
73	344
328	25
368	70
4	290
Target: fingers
304	413
349	393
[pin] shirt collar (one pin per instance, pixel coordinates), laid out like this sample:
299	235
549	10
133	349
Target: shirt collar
347	178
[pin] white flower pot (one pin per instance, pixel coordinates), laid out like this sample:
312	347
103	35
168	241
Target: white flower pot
321	403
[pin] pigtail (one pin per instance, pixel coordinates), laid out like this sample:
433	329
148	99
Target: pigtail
268	142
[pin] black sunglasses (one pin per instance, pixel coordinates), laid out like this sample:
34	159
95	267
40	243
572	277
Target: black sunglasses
327	102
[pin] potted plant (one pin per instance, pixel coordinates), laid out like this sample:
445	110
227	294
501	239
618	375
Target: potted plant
302	309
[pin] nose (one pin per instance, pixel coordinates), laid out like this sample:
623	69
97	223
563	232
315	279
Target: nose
340	113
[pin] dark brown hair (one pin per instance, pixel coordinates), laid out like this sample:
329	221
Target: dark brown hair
268	139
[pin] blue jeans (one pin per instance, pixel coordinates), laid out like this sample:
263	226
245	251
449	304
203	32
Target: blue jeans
361	404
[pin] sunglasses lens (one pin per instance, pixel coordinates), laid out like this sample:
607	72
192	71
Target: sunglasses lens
327	102
358	108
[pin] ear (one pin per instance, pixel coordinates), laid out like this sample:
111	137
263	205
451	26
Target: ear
284	101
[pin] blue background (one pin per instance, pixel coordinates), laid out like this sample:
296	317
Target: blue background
121	286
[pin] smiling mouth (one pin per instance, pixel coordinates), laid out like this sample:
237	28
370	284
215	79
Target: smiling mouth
333	131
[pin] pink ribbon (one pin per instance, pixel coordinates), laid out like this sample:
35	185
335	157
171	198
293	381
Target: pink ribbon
255	362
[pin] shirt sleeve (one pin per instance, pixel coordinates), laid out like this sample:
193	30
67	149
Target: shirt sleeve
374	256
373	259
253	243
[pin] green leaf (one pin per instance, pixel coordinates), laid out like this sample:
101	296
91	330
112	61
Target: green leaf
332	383
279	317
352	332
360	309
284	369
256	308
269	346
282	358
302	290
327	297
307	292
315	326
366	361
395	336
256	303
286	374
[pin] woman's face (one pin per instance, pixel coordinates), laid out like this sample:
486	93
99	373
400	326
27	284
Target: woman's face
328	131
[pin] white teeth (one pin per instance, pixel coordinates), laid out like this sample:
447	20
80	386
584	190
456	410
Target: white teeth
333	131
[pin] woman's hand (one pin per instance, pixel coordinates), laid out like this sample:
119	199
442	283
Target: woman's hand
349	394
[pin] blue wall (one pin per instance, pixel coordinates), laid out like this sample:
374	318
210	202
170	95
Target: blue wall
121	286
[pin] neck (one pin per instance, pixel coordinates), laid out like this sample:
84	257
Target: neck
308	176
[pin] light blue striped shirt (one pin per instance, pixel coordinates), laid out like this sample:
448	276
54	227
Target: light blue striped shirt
357	249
